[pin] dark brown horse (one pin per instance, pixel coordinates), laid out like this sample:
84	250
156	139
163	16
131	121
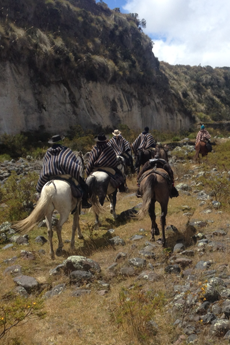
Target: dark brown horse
202	149
142	156
154	187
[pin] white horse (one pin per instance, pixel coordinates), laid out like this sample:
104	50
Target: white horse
100	187
55	195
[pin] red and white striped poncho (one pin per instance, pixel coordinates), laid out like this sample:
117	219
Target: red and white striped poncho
201	135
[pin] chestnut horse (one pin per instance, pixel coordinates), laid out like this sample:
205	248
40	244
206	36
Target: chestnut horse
155	187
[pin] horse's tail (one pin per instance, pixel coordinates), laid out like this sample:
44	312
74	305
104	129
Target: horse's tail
148	195
38	213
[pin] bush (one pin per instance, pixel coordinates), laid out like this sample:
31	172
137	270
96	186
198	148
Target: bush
19	195
135	311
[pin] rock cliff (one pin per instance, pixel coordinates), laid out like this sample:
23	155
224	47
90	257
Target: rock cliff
64	63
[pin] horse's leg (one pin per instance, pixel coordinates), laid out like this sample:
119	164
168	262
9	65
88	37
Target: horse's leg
76	225
48	219
63	218
154	227
101	201
113	201
164	210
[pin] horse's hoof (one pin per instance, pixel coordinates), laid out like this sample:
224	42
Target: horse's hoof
59	252
157	232
81	237
152	239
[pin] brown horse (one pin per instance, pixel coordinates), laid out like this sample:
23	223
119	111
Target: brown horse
202	149
142	156
154	187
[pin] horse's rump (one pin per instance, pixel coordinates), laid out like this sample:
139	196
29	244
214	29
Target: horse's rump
201	146
115	179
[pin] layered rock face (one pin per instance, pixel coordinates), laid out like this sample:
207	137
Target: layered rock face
72	63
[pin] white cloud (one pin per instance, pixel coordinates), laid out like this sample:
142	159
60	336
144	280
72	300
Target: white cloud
188	32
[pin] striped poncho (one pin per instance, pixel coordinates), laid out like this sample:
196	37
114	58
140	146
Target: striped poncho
58	160
102	155
143	141
119	144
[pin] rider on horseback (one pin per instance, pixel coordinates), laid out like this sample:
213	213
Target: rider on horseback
103	156
144	141
122	148
202	137
158	163
58	161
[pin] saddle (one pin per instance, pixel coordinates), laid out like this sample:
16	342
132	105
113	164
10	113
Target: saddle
73	183
148	172
115	179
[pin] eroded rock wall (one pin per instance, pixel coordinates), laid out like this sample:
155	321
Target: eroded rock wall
26	105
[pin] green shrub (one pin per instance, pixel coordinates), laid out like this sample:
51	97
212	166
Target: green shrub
19	195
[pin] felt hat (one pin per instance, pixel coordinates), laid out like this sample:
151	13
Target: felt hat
146	129
100	138
116	132
55	139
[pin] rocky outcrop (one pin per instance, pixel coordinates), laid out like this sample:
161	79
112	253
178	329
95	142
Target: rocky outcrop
72	63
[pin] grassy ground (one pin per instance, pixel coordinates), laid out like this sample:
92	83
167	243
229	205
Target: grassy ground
94	319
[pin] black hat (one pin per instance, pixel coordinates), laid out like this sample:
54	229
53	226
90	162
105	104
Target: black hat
100	138
55	139
146	129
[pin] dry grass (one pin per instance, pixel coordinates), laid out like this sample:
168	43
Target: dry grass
88	319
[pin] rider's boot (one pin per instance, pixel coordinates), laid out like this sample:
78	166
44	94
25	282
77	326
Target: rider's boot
85	190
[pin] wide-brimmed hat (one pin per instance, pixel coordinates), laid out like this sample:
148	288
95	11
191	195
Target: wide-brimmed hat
116	132
55	139
100	138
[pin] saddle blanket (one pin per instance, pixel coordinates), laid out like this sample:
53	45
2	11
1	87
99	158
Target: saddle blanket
74	185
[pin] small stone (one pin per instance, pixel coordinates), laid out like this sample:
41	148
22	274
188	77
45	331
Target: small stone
149	275
29	283
14	270
136	238
102	292
42	251
57	290
41	240
183	262
21	291
179	247
127	271
116	241
80	276
220	327
80	292
188	252
202	265
208	318
112	267
173	269
120	256
219	233
137	262
227	335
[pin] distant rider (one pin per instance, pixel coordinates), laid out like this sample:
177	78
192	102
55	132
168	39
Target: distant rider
122	148
144	141
202	137
102	155
60	160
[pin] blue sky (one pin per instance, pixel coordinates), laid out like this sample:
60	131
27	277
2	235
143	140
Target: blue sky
187	32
